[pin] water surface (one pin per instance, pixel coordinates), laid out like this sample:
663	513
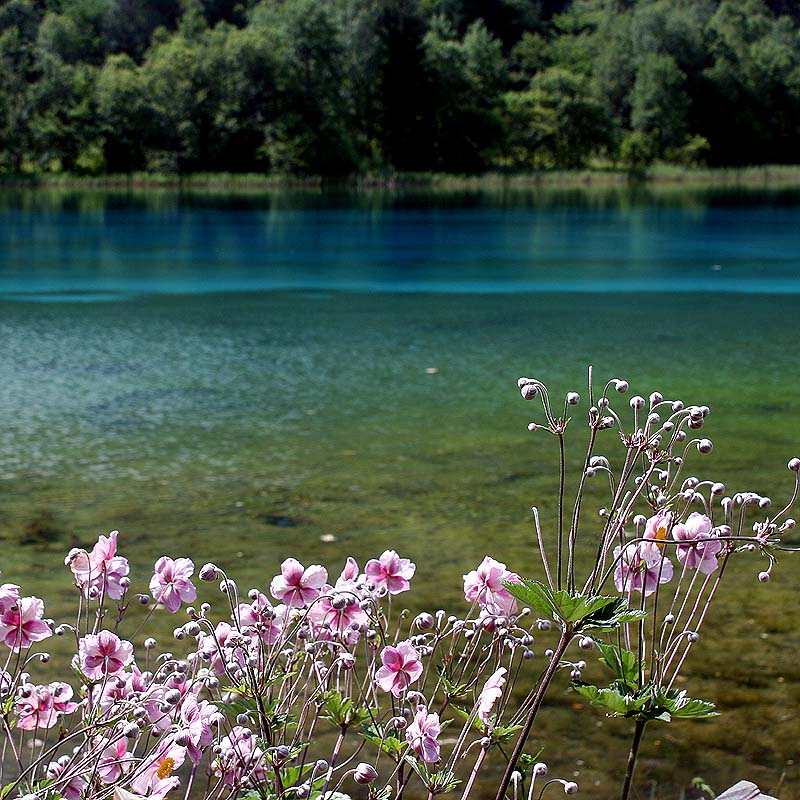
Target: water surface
241	378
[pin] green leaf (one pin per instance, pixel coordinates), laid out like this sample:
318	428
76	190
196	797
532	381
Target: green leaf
388	740
451	689
611	616
615	702
341	711
624	664
533	593
681	706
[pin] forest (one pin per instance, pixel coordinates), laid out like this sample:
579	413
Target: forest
347	87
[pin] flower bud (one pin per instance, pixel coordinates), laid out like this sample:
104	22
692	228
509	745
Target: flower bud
529	391
570	787
573	398
424	621
208	572
365	774
705	446
540	769
763	576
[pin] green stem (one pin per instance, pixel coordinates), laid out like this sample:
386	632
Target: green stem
637	740
566	638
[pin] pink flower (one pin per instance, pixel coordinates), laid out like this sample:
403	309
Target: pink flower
484	586
9	595
702	546
240	759
157	768
390	572
345	621
194	726
171	585
490	694
103	654
114	759
401	667
21	623
640	568
212	647
101	570
423	735
349	574
58	772
262	617
44	705
298	586
658	526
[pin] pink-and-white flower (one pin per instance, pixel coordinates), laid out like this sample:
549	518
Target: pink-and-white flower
103	654
401	667
423	735
170	584
100	571
194	726
640	567
390	573
339	612
701	546
21	623
659	526
298	586
9	595
492	691
262	617
114	760
44	705
157	768
70	784
484	586
240	759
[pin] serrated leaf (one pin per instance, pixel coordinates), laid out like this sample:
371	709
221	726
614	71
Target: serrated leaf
576	607
611	616
533	593
624	664
388	740
617	703
340	710
681	706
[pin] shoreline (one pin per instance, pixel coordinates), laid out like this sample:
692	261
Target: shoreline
768	175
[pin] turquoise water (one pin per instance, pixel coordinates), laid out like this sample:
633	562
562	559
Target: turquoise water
241	378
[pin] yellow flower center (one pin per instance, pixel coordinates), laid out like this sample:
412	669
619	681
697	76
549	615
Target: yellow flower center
165	770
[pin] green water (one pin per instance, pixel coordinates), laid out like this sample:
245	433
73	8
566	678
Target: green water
244	426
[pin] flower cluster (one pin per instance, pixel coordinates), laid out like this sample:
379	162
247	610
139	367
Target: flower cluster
235	707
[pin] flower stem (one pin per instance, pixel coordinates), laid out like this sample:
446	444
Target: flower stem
566	638
637	740
474	773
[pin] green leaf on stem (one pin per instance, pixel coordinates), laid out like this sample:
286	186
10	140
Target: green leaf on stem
624	664
340	710
576	611
386	739
650	703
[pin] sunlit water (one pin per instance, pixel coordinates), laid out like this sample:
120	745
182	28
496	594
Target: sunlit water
234	378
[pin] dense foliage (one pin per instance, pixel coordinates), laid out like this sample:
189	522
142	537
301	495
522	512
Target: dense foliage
336	87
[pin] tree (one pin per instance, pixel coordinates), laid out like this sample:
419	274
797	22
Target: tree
659	103
556	122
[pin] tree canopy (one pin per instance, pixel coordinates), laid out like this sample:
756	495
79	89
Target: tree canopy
336	87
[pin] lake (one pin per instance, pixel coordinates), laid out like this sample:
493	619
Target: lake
244	377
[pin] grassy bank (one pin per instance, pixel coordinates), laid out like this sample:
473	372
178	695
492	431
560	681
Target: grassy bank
770	175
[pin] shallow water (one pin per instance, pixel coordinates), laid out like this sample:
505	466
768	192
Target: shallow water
234	377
